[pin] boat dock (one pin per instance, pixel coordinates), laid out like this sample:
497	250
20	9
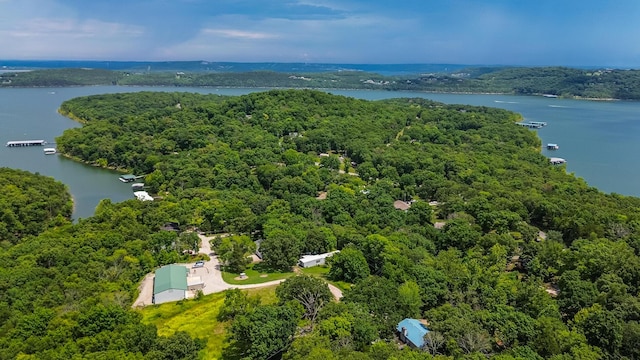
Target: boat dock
530	125
553	147
130	178
557	161
26	143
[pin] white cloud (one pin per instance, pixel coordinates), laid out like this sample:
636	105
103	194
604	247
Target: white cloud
331	5
239	34
40	29
67	38
353	39
49	29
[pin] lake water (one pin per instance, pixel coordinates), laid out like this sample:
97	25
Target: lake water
599	139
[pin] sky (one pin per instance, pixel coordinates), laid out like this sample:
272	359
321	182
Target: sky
478	32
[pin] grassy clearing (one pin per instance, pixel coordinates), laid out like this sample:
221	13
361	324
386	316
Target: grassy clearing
342	285
321	272
316	270
199	318
256	274
196	317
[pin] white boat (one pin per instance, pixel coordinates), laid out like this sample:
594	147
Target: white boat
143	196
49	151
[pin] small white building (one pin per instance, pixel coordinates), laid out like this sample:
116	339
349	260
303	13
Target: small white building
315	260
195	283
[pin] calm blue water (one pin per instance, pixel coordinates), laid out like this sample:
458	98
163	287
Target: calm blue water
600	140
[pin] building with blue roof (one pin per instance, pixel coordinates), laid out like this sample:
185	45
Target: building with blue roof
412	332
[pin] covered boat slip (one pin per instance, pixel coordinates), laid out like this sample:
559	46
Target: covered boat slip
26	143
130	177
127	178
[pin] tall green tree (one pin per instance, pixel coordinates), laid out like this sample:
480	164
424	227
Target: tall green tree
311	292
265	332
281	250
348	265
235	252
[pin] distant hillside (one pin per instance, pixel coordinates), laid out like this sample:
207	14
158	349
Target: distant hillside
226	67
560	81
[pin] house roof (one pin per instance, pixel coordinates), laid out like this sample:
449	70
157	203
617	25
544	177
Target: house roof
311	258
401	205
194	280
415	331
170	277
171	226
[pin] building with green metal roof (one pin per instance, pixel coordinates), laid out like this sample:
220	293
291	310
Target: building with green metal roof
170	284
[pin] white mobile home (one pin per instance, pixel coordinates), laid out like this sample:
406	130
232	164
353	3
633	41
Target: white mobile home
314	260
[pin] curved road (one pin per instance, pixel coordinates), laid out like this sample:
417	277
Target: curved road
211	275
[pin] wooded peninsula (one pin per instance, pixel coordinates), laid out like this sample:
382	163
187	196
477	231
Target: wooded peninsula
444	213
555	81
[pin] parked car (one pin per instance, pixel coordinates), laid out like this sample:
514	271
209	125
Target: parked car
198	264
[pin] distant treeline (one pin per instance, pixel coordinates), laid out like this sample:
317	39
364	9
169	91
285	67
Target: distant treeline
560	81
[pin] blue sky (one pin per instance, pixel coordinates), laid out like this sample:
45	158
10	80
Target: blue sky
510	32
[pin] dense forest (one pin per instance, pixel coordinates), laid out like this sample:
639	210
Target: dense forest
559	81
504	254
66	289
30	204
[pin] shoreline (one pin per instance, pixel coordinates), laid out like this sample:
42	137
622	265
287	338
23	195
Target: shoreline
124	171
77	159
574	97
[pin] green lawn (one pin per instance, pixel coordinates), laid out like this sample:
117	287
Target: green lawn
321	272
342	285
255	275
316	270
198	318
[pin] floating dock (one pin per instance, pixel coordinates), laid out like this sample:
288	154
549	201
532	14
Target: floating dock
130	178
553	147
557	161
530	125
26	143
